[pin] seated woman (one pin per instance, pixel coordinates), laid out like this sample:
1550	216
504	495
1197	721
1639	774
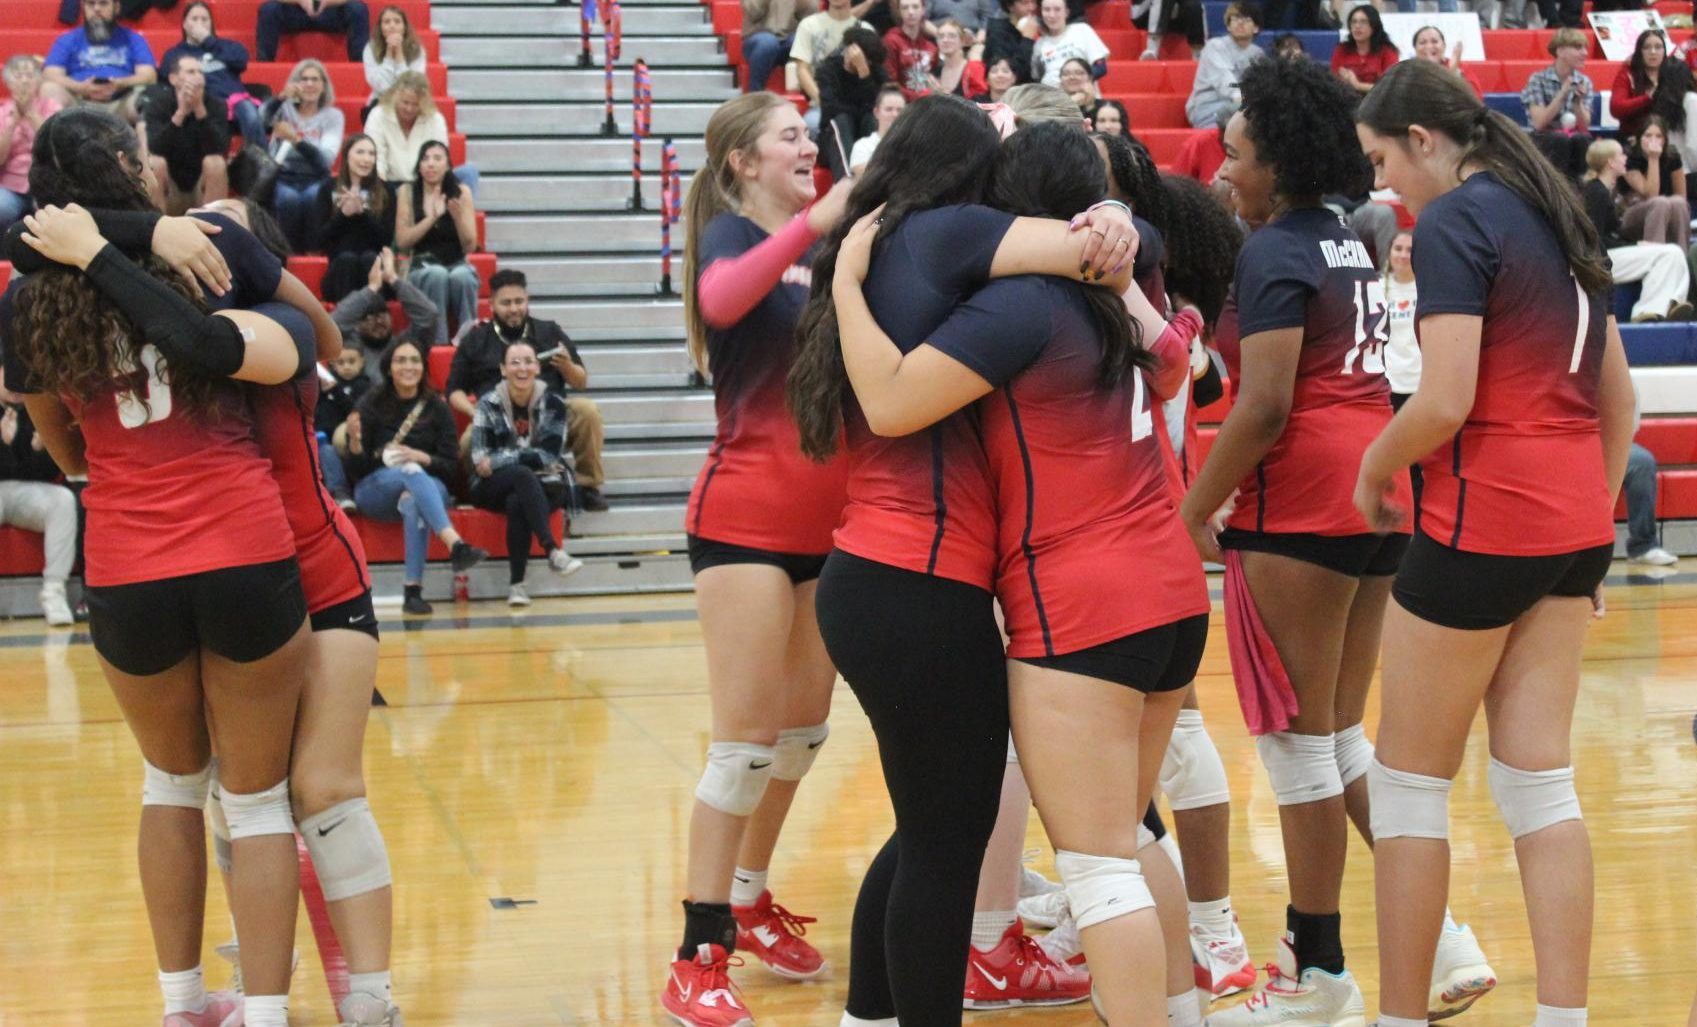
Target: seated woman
1429	45
958	72
223	61
356	219
518	446
1649	84
1058	42
32	499
402	446
1077	83
1368	52
1660	266
394	49
306	135
1656	206
435	218
402	122
999	77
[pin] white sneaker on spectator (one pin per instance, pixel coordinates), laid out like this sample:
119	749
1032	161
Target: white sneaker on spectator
1043	910
54	607
1033	883
1062	944
564	563
1655	556
517	596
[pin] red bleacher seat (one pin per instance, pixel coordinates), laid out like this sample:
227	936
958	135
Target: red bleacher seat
440	359
310	270
1108	15
384	543
231	16
1153	110
348	80
20	553
1672	439
1676	494
1164	143
1130	75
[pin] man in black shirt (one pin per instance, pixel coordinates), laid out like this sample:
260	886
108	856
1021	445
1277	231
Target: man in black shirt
477	369
188	136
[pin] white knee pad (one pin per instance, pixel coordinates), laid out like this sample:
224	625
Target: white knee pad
220	826
258	813
1192	775
1354	753
1406	805
1100	888
1302	768
735	776
1531	800
347	850
186	791
796	750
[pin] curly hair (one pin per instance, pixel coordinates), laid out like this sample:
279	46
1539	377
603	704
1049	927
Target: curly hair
1133	173
73	339
1202	240
1302	121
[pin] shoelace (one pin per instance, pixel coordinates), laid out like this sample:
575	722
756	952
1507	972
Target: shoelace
1264	997
1031	952
792	924
717	976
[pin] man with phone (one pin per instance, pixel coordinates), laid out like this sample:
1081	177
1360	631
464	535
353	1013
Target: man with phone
476	369
100	63
278	18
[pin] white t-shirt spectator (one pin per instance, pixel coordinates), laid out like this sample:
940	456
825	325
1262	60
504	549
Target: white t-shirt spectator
862	152
1048	53
1402	352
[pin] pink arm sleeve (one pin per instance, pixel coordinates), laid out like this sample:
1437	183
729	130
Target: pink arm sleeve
1172	349
733	286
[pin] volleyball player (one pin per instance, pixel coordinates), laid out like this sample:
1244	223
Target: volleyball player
1522	423
759	523
1302	336
195	603
905	599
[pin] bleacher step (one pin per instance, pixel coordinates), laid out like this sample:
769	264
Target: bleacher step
556	277
538	120
611	360
678	460
635	320
552	49
638	431
627	519
559	84
693	408
552	156
504	19
528	193
581	233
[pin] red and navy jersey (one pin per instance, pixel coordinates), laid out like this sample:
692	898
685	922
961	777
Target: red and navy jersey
1090	547
1524	476
1146	267
1308	270
756	488
924	502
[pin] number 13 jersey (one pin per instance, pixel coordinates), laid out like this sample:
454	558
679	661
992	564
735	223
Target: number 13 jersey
1307	270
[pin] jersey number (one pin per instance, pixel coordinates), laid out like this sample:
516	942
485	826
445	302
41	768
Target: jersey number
155	406
1370	329
1142	420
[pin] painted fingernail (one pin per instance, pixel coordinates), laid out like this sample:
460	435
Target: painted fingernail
1084	269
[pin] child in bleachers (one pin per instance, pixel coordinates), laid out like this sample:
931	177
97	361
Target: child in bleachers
342	390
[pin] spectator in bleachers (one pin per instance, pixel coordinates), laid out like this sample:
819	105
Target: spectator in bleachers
1058	41
768	30
338	398
910	54
306	135
1558	103
100	64
436	218
1650	84
1288	47
1429	45
1368	52
1656	206
849	82
1076	83
478	359
402	450
356	219
222	61
1160	17
1009	38
958	72
1110	118
818	37
21	113
1639	488
974	16
364	318
1556	13
891	102
403	121
393	50
1660	267
32	499
278	18
187	139
518	463
999	77
1214	93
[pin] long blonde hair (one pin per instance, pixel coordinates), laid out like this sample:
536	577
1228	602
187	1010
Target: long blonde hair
734	128
410	46
416	82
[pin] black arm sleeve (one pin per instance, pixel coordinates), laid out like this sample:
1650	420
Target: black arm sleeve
1208	388
185	335
129	230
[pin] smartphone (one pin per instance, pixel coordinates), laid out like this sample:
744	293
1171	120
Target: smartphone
101	80
551	354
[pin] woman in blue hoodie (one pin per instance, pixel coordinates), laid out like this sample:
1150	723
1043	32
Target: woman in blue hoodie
223	61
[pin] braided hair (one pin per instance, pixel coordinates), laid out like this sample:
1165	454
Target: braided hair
1137	179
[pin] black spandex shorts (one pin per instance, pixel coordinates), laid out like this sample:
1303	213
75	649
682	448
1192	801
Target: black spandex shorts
705	553
356	614
1478	591
1161	659
240	613
1364	555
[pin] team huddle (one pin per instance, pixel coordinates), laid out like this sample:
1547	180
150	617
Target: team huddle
960	468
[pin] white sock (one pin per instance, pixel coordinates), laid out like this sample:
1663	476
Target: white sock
184	990
1213	916
988	928
1400	1021
1182	1011
267	1011
1555	1016
374	984
747	886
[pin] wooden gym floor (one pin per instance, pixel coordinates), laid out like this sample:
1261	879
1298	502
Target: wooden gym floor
549	758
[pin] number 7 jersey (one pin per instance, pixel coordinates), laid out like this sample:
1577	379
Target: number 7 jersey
1307	270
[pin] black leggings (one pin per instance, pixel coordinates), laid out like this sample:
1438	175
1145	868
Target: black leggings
925	659
528	504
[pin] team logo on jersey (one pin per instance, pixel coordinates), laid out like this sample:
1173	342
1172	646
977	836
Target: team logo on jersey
795	274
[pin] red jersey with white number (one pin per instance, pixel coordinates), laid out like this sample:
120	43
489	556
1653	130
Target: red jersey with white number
332	559
1090	547
1524	476
1308	270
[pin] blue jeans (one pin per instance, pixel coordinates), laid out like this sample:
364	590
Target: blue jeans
419	501
279	19
1640	489
1412	7
249	123
13	207
330	463
765	52
452	289
295	207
